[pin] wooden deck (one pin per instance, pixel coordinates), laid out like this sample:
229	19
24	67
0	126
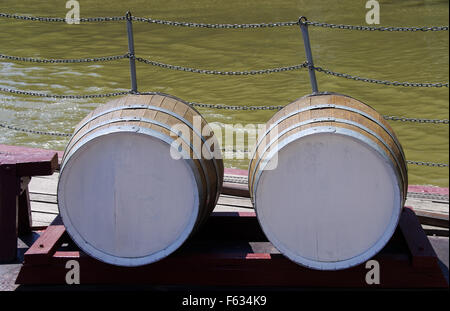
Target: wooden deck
37	270
431	204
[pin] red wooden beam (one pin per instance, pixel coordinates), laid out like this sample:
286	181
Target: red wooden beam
17	165
423	254
207	261
29	161
9	185
239	190
46	245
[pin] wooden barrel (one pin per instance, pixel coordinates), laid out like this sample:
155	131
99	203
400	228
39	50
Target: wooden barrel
138	176
328	180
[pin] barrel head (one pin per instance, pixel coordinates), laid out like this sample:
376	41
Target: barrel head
332	202
125	200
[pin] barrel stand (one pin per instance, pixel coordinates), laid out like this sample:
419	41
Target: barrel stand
232	251
17	166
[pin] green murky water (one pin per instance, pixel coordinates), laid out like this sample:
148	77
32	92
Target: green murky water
413	57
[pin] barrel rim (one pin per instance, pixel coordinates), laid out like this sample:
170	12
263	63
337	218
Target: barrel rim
356	260
382	121
333	106
127	261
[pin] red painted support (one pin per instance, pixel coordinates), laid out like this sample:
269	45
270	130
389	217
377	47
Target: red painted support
24	209
231	250
45	246
17	165
423	254
9	184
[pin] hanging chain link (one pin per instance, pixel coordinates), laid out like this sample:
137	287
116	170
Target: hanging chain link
28	93
216	26
217	72
62	20
54	60
226	107
414	120
14	128
372	28
287	24
229	26
429	164
384	82
154	63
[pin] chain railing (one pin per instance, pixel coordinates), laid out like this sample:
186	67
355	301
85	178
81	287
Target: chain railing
430	164
229	107
36	94
416	120
218	72
215	26
228	26
372	28
384	82
61	20
302	22
37	132
64	61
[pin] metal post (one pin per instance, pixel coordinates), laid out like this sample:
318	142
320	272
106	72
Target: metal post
312	73
131	52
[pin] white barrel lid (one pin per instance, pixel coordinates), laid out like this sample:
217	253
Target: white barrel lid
125	201
331	202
